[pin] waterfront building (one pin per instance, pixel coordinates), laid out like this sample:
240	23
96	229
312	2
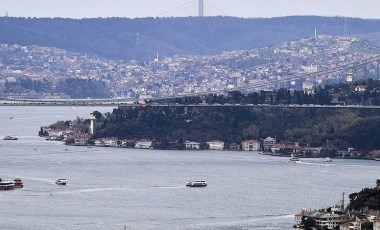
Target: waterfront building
299	216
268	143
376	224
250	145
234	147
355	224
216	145
110	142
328	220
143	144
192	145
99	142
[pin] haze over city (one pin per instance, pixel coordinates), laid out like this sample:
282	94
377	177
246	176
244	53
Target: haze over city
183	8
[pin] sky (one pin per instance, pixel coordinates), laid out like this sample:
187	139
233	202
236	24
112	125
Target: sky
369	9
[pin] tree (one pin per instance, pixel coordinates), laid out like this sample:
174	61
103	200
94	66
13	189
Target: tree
252	132
308	223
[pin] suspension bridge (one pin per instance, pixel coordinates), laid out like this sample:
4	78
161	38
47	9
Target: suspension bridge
338	71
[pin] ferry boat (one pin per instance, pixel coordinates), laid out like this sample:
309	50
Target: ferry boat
11	184
61	182
327	159
294	159
197	183
10	138
18	183
7	185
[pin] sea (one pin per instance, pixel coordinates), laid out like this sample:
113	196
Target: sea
121	188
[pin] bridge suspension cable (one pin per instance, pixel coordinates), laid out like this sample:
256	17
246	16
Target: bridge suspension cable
176	8
218	9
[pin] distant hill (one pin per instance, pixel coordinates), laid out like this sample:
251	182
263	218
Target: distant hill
140	39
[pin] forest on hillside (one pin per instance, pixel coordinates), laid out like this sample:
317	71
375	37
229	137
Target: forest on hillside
142	38
337	128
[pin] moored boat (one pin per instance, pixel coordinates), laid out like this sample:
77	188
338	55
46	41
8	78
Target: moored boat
10	138
61	182
197	183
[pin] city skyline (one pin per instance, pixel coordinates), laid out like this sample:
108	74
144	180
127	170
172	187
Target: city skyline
184	8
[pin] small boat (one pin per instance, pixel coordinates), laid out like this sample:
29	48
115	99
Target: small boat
294	159
18	183
197	183
61	182
10	138
377	159
327	159
7	185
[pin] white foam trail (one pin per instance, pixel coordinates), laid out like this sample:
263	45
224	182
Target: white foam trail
38	179
94	190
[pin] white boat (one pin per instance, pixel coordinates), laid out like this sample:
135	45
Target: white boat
377	159
10	138
197	183
294	159
61	182
327	159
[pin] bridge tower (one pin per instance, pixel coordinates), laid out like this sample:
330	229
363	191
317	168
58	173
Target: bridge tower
200	8
92	119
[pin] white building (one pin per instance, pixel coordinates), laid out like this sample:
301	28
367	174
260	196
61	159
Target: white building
268	143
216	145
250	145
143	144
192	145
376	224
351	225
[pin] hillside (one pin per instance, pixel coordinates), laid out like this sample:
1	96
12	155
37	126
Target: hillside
332	128
142	38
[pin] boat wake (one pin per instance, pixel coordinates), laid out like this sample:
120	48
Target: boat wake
96	190
258	222
316	163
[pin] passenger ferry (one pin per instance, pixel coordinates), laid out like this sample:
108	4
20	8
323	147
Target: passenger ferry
18	183
11	184
197	183
7	185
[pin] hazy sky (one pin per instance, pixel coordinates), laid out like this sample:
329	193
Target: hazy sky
154	8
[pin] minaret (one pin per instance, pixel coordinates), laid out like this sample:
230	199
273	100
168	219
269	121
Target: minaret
315	32
92	119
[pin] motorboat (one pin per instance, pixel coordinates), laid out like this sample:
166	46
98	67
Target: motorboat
197	183
294	159
327	159
61	182
10	138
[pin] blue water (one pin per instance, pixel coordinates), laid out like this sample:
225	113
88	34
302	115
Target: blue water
113	188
